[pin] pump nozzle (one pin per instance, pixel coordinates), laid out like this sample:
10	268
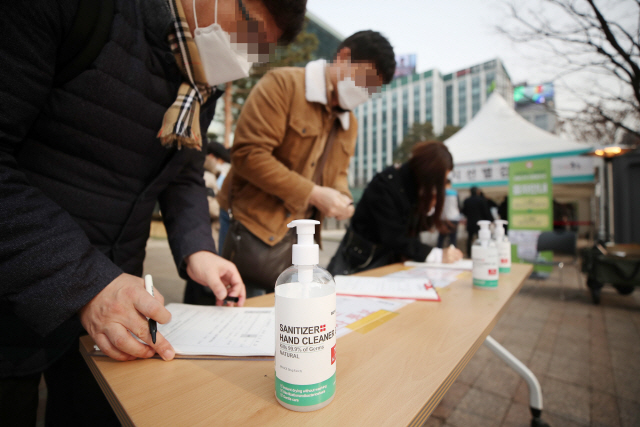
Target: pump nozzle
484	233
305	252
499	231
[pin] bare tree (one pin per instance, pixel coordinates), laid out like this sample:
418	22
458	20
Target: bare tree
599	40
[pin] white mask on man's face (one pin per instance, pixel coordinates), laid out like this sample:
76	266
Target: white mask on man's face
350	95
221	61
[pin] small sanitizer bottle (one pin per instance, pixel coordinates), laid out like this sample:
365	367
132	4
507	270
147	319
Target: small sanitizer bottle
504	246
305	328
484	254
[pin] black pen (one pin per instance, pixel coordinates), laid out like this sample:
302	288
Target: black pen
231	299
153	326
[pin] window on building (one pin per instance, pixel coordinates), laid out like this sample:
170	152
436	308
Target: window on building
541	120
394	120
365	121
449	100
428	100
490	82
405	110
374	129
462	103
475	95
416	103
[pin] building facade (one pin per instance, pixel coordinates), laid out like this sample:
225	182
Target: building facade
451	99
537	105
328	38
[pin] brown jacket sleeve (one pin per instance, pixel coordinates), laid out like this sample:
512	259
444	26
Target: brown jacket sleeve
261	129
342	182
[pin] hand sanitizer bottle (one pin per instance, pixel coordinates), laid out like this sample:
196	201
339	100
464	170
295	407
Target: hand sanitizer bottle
484	254
504	246
305	328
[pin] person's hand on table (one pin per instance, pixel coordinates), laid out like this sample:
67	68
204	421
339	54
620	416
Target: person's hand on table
119	308
331	202
451	254
220	275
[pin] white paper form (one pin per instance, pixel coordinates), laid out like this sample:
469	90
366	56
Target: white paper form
220	331
384	287
439	277
463	264
351	309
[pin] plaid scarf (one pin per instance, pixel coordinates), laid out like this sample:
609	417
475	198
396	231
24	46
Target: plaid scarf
181	122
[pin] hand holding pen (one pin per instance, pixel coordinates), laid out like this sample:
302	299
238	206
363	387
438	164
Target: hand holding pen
153	326
118	309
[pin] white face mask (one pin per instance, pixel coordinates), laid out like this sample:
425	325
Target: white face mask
221	61
350	95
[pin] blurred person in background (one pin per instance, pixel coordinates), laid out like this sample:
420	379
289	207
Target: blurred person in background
216	164
475	208
398	204
450	216
293	142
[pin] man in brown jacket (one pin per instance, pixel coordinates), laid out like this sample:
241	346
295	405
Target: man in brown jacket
285	165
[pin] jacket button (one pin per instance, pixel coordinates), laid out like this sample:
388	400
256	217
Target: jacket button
304	130
313	164
288	215
390	176
271	238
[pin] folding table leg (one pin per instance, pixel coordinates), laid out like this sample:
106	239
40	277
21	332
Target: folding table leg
535	392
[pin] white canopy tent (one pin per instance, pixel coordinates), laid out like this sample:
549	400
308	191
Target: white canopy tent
498	133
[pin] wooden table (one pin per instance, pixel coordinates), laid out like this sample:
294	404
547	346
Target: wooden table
394	374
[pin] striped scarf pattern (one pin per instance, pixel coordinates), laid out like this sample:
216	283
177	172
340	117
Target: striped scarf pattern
181	122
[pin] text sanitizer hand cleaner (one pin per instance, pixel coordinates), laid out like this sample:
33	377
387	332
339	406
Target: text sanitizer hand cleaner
504	246
305	328
484	254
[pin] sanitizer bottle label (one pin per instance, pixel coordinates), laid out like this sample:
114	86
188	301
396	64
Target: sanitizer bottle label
504	254
305	349
485	267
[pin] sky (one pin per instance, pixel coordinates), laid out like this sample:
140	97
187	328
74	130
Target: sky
446	34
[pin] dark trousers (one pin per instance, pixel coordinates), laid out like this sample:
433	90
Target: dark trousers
453	236
74	398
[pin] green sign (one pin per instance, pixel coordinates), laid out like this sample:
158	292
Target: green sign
530	208
530	195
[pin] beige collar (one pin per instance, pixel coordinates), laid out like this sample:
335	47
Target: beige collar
317	87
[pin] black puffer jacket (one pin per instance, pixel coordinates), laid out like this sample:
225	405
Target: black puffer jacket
81	170
384	227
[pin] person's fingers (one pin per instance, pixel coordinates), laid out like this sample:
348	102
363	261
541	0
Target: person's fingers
218	288
236	286
157	295
150	307
163	347
107	348
121	339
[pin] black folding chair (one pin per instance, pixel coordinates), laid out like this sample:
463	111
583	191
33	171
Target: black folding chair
560	243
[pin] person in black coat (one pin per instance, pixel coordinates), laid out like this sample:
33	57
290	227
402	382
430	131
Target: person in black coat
475	208
399	203
81	170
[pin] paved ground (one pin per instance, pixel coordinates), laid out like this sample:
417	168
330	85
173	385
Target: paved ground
586	357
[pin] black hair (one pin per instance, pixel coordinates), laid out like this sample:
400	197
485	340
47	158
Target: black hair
371	46
429	163
289	17
474	190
